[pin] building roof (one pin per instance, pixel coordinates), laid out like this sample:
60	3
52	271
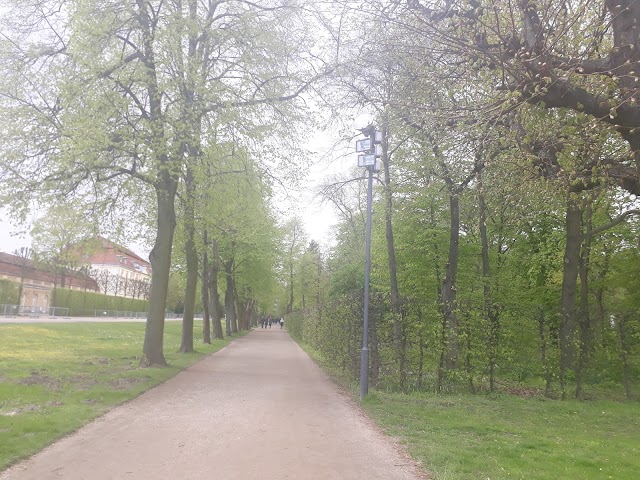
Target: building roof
110	253
21	267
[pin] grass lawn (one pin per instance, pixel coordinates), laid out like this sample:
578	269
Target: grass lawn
503	436
56	377
507	437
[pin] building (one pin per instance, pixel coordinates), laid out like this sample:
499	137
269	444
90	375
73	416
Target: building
35	284
117	270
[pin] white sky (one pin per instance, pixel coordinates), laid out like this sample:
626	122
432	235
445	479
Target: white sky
319	217
12	236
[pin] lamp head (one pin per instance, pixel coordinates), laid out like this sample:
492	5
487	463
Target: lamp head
363	122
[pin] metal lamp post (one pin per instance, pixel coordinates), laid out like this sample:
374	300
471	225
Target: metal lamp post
369	150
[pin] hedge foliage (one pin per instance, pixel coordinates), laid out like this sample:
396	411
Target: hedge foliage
79	303
8	292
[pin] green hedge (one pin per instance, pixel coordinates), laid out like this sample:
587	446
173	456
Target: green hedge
8	292
81	303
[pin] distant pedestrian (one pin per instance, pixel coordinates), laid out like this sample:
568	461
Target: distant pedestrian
281	322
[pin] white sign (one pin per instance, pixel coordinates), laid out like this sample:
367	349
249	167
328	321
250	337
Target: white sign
363	145
366	160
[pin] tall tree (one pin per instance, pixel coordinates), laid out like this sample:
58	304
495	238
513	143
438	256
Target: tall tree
108	90
293	244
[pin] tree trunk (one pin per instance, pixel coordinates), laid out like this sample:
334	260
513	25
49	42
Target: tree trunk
602	320
192	264
290	304
374	348
491	312
442	362
165	187
585	345
468	364
206	325
421	365
240	309
569	290
624	354
449	289
237	308
245	317
396	310
423	346
214	297
548	376
229	303
160	259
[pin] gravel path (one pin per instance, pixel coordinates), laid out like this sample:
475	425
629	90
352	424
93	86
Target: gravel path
258	409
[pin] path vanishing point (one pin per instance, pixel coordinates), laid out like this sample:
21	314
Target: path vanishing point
257	409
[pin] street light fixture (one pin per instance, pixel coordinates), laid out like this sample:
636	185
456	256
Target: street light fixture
370	151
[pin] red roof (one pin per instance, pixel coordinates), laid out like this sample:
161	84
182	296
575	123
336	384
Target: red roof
110	253
23	267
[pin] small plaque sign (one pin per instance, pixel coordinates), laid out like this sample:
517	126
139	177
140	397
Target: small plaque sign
363	145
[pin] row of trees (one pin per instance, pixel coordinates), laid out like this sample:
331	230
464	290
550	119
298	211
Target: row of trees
174	113
120	285
506	226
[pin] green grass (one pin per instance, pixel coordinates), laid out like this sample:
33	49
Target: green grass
55	378
508	437
502	436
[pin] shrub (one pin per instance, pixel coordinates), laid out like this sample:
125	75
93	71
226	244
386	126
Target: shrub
81	303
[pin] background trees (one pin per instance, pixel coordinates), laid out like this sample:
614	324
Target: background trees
106	99
513	164
506	217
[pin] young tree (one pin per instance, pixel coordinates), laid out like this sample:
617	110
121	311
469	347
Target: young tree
26	256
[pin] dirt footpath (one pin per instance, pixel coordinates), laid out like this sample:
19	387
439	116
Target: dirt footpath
258	409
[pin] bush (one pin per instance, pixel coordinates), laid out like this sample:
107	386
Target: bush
8	292
79	303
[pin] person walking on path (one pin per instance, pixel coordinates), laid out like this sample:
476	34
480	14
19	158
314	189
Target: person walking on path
281	322
216	420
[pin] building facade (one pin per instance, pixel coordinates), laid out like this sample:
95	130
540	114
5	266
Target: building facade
117	270
35	284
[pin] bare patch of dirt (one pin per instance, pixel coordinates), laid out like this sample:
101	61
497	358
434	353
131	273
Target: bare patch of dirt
83	382
99	361
39	379
18	411
122	383
524	392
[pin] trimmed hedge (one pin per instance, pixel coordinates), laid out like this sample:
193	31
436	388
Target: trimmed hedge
79	303
8	292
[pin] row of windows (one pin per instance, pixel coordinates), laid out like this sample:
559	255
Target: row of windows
136	266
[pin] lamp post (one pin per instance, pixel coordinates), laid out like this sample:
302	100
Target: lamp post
369	150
